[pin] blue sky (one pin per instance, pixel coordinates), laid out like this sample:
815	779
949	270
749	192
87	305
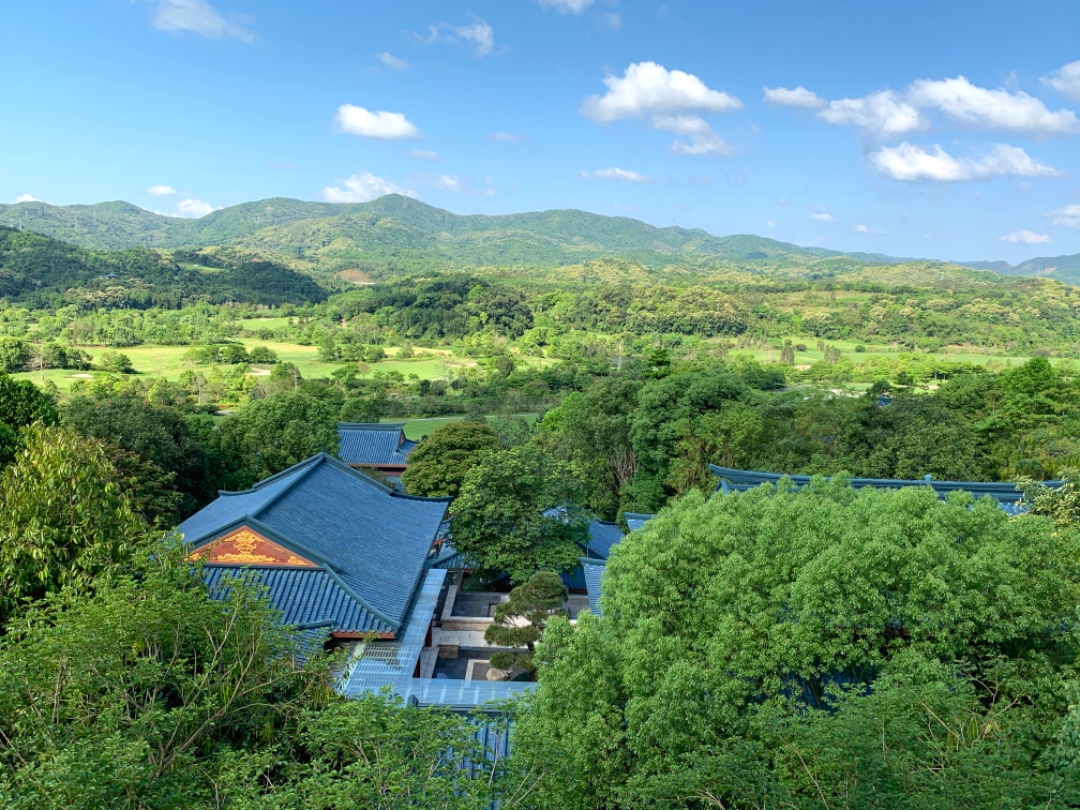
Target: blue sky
945	129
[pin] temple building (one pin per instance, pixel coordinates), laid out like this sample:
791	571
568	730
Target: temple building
1006	493
349	562
373	446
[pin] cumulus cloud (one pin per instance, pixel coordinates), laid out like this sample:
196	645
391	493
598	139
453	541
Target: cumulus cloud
910	162
194	208
882	113
887	113
506	137
1068	217
1066	80
392	61
647	88
770	224
615	173
162	191
386	126
479	33
797	97
453	183
821	215
567	6
612	21
1001	110
362	188
24	198
423	154
1026	237
703	140
199	17
861	229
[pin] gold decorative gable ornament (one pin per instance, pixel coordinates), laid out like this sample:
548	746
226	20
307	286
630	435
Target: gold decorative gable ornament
246	547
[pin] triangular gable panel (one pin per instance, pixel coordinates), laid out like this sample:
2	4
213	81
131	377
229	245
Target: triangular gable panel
246	547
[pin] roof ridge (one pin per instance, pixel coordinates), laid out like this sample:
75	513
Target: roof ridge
304	473
266	481
388	426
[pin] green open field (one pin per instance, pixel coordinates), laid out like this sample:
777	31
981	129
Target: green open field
169	362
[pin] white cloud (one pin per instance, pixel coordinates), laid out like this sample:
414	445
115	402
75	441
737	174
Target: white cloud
478	32
882	113
1026	237
615	173
647	88
162	191
386	126
199	17
798	97
861	229
193	208
423	154
362	188
1000	110
910	162
821	215
612	21
703	140
567	6
454	183
506	137
1066	80
25	198
392	61
770	224
1069	216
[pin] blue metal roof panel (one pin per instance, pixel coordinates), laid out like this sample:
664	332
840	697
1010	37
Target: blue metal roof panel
602	536
305	597
635	520
374	444
593	571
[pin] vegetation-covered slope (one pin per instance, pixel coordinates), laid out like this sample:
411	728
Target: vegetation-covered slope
39	271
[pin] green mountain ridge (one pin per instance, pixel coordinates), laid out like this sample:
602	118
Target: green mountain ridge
396	235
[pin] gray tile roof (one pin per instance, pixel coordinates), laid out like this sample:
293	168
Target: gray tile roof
594	570
372	542
374	445
1004	492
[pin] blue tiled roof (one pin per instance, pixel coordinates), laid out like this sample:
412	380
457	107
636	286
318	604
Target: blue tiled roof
371	541
374	445
635	521
306	597
593	570
602	536
1003	492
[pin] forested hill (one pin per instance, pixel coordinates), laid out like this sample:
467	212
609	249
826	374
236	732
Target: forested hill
402	230
40	271
1062	268
395	235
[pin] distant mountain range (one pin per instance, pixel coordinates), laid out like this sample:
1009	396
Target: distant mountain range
394	235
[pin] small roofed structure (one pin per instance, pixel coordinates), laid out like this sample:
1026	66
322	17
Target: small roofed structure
635	520
370	445
1006	493
334	548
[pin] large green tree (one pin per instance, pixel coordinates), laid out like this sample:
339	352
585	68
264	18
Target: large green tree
271	434
816	649
503	520
440	462
65	521
21	403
